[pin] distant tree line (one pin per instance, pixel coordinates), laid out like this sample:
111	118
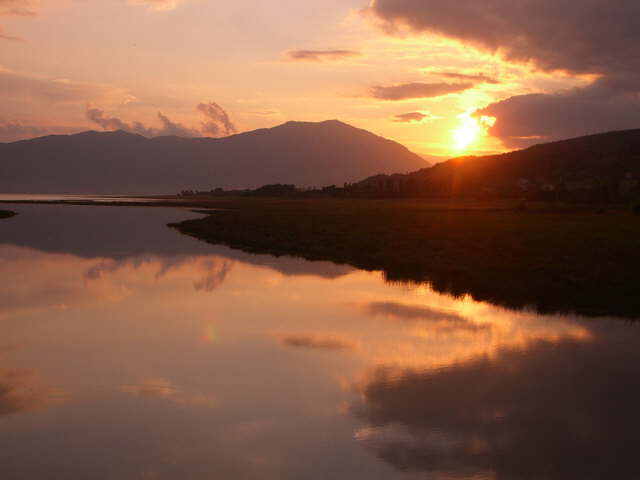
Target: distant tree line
603	190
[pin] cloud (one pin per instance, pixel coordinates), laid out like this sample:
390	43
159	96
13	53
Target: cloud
173	128
17	7
413	117
556	410
330	342
417	90
158	5
113	123
321	55
215	273
475	78
597	38
594	37
164	389
218	122
436	319
265	113
22	391
4	36
524	120
151	387
212	271
22	8
400	310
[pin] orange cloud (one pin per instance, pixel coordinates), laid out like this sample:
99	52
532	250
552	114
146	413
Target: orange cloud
321	55
329	342
17	7
217	123
158	5
413	117
407	91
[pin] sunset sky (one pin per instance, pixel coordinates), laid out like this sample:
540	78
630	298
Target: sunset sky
410	70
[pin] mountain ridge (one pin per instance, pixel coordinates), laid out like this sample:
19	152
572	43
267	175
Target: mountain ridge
599	164
120	162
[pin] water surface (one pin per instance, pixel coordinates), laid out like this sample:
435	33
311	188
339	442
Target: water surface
129	351
18	197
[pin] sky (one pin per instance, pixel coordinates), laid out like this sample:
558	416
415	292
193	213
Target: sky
443	78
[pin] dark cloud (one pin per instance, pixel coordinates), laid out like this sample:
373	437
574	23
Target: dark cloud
215	273
595	37
536	118
565	410
176	129
22	391
321	55
412	117
436	319
400	310
317	342
218	122
475	78
212	270
417	90
98	117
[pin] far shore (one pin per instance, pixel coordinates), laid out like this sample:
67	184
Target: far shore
109	200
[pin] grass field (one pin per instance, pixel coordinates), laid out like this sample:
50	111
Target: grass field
6	214
552	259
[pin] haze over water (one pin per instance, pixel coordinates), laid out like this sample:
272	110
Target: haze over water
129	351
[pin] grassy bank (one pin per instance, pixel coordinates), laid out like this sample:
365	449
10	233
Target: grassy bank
552	259
6	214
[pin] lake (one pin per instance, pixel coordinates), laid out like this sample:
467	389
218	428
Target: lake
130	351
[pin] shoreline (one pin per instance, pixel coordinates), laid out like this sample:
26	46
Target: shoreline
144	202
552	261
548	257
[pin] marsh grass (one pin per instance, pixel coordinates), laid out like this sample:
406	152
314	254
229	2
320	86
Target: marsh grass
552	258
6	214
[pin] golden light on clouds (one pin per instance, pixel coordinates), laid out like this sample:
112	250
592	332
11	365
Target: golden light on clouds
334	56
157	5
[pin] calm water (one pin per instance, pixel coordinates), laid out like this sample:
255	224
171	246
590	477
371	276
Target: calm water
9	197
129	351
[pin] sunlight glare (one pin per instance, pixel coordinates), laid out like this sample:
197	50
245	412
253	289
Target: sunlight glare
470	129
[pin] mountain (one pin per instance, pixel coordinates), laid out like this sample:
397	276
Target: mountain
301	153
606	162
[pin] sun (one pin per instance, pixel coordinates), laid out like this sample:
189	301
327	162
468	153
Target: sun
470	129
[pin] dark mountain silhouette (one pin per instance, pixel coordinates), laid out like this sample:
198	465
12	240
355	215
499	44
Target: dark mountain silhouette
603	162
117	162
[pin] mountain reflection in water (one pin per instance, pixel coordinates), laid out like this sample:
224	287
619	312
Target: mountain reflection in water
130	351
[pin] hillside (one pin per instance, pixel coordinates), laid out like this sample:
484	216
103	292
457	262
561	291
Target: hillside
301	153
607	162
